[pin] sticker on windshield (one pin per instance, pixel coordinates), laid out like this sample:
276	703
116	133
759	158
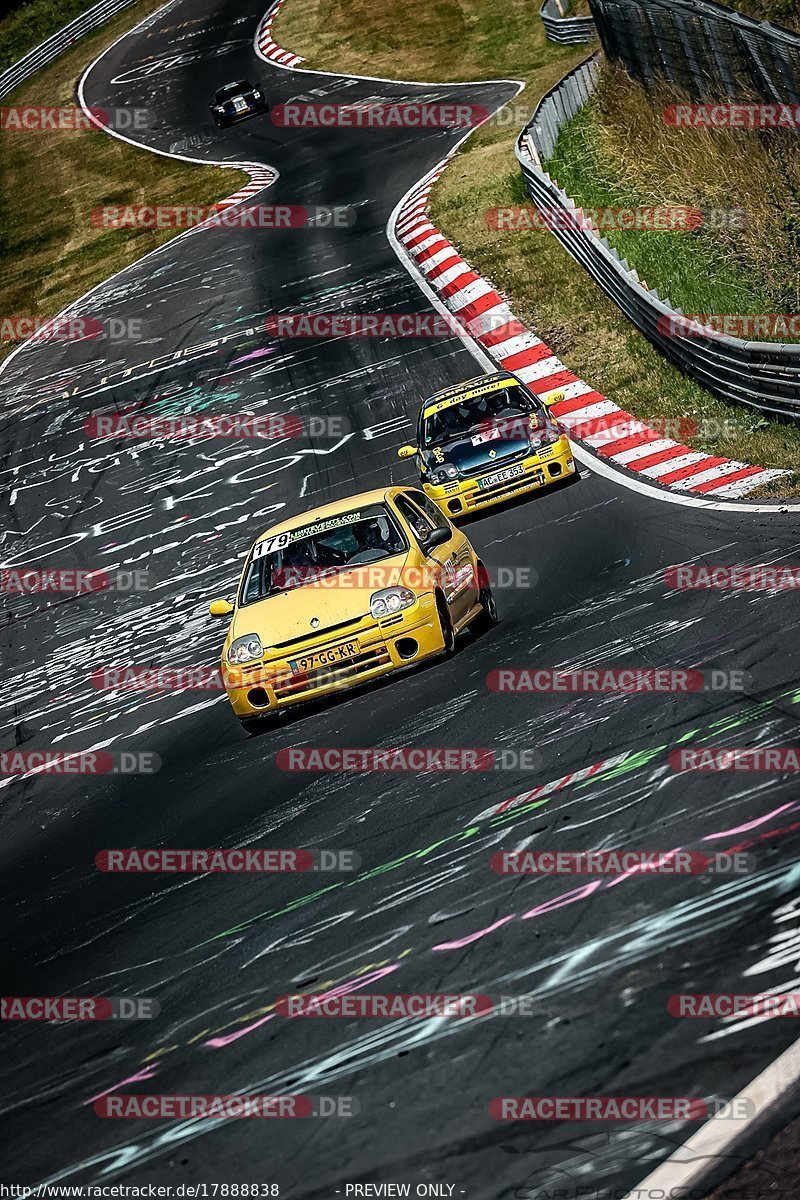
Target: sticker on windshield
279	541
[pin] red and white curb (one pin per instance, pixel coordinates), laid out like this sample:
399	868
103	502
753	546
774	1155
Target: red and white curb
589	418
261	177
266	46
261	174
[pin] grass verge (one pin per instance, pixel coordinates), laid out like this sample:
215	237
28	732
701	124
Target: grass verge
52	181
619	151
29	24
546	288
782	12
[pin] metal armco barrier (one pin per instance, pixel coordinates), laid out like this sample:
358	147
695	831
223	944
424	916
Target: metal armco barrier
569	31
41	55
703	48
763	375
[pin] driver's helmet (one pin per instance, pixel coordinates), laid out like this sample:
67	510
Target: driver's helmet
369	535
298	554
495	403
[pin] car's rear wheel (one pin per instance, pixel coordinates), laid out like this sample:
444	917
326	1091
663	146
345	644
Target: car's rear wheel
487	602
448	633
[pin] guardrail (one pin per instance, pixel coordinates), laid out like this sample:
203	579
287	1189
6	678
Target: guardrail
569	31
41	55
763	375
702	48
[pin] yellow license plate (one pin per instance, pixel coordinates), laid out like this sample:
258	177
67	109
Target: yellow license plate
323	658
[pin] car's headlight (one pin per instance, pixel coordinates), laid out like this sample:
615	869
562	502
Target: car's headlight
390	600
220	108
256	95
544	435
443	473
245	649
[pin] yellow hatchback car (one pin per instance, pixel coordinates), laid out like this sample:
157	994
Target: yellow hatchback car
485	441
345	593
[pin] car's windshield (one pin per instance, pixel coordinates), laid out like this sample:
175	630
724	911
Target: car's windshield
502	413
301	556
233	89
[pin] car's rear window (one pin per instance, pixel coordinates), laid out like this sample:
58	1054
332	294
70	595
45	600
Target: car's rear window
301	556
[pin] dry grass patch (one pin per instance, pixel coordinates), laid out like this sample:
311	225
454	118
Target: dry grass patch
51	252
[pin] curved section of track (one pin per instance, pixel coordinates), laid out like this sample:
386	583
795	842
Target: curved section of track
425	913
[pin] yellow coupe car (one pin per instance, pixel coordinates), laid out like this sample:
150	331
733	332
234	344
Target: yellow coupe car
345	593
487	440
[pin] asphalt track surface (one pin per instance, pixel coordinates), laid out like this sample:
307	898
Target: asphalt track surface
425	913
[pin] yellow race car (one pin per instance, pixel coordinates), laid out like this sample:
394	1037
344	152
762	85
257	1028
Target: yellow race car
346	593
487	440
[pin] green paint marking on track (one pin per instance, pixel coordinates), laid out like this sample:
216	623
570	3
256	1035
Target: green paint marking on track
513	813
270	914
634	760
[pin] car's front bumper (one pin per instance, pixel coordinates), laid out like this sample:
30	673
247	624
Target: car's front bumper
396	642
225	119
465	496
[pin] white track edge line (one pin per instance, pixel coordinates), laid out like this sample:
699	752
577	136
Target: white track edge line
719	1134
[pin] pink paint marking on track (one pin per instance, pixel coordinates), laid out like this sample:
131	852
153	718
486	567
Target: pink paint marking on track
139	1077
562	901
750	824
218	1042
474	937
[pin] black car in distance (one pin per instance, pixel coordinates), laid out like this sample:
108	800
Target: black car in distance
236	102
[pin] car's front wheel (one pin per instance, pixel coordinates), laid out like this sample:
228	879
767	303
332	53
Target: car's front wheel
255	725
448	633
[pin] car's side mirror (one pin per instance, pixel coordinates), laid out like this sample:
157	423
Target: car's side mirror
437	537
220	608
406	451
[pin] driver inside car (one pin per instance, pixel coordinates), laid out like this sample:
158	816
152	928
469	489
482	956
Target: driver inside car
297	565
370	537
